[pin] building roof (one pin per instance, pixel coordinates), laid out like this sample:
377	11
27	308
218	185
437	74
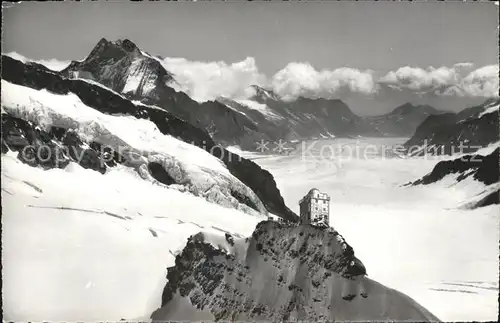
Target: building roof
313	190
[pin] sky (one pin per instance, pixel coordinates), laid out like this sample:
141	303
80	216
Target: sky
354	42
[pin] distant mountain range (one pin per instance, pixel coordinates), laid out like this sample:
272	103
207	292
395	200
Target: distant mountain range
402	121
126	69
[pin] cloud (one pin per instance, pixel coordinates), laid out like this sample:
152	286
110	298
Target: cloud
459	80
208	80
205	81
53	64
482	82
419	79
301	79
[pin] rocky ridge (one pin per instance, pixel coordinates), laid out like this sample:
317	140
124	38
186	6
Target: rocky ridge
283	272
483	168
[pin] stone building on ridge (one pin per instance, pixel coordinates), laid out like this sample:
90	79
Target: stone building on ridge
315	208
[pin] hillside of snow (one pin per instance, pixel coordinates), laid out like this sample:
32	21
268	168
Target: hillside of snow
81	246
138	141
110	102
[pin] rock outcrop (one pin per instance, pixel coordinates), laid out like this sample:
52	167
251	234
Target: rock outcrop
55	148
482	168
479	167
283	272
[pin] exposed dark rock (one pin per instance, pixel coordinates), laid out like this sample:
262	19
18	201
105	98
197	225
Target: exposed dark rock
229	239
243	199
160	174
53	148
4	146
482	168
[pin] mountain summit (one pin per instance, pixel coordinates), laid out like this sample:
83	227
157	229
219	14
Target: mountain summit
123	67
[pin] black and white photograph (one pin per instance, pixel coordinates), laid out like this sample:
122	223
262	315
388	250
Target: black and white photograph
244	161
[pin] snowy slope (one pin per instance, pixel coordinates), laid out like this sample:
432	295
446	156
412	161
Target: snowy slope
490	109
260	107
82	246
411	238
138	140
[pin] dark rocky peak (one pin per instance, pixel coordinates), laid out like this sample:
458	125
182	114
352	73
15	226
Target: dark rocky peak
115	50
409	108
262	94
123	67
127	45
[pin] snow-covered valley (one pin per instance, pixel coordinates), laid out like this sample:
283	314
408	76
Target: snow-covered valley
415	239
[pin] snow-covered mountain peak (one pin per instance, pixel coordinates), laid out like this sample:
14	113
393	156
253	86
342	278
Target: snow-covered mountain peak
123	67
126	45
106	50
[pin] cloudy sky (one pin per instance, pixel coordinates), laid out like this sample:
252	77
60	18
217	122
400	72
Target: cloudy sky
329	49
